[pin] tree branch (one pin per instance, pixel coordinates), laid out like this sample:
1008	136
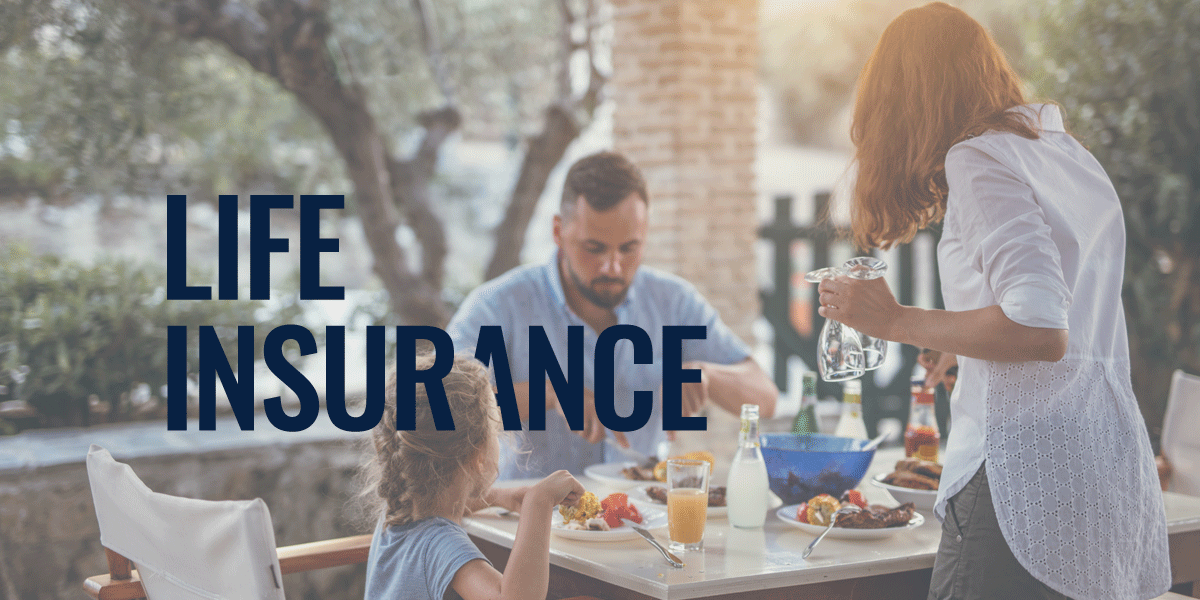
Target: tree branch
286	39
432	42
565	119
410	187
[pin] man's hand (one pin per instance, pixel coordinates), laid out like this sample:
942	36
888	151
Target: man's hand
593	430
695	395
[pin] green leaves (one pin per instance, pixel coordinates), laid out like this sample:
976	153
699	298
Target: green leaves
102	330
1132	94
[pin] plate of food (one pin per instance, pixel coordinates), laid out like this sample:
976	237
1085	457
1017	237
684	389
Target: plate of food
656	495
914	481
612	474
595	520
624	475
872	522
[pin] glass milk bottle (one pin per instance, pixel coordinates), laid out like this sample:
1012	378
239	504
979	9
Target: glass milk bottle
746	491
851	424
806	419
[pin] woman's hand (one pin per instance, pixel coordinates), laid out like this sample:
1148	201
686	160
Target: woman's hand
866	305
936	364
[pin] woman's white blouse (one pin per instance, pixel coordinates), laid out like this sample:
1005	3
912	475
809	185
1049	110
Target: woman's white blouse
1035	226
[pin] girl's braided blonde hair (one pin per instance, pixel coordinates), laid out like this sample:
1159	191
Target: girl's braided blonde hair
408	473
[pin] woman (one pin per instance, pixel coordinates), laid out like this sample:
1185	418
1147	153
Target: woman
1049	488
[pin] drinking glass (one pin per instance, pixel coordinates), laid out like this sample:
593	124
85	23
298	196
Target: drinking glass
687	503
868	267
839	348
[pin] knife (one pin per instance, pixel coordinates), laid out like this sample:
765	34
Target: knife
671	558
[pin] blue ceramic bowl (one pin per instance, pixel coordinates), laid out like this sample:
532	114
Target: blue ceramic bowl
802	466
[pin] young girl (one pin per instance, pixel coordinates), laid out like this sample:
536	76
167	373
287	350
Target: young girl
426	480
1049	488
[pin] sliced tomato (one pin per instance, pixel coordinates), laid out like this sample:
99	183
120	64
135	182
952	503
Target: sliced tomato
855	497
613	518
631	513
802	513
614	501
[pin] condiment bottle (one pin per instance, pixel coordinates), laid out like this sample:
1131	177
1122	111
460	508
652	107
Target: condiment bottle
806	419
921	438
747	489
851	424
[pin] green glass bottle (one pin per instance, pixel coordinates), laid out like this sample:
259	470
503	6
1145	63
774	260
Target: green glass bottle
806	419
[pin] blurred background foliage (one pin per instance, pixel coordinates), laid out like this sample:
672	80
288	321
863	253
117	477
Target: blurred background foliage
1128	76
94	100
87	343
812	53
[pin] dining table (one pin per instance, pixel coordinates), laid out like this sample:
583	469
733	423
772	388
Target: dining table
766	563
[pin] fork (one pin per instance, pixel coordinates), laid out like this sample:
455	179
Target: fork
671	558
845	510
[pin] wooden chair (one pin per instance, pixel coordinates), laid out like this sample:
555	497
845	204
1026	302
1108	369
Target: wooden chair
122	581
123	502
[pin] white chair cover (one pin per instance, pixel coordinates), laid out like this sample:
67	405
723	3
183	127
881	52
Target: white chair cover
1180	437
184	548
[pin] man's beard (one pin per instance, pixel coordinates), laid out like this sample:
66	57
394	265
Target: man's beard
605	301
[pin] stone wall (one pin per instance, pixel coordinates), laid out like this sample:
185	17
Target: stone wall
49	539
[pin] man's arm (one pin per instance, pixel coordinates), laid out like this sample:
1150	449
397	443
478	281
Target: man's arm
730	377
593	430
521	391
731	386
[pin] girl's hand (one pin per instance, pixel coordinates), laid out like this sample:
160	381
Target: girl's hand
865	305
559	487
507	498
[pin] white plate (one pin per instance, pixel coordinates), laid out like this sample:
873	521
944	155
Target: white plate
610	473
787	514
714	512
652	518
921	499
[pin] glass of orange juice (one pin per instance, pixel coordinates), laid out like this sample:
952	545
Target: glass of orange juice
687	502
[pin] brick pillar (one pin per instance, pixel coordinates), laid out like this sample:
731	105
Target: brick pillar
684	76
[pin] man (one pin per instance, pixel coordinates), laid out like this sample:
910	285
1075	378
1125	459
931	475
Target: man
596	280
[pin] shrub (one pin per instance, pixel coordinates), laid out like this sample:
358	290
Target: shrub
70	332
1128	76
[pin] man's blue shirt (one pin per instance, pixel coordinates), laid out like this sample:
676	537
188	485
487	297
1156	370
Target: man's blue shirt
533	295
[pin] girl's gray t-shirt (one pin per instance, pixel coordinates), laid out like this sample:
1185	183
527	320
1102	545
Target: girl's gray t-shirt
418	560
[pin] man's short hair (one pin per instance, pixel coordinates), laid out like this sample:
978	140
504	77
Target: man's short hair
603	179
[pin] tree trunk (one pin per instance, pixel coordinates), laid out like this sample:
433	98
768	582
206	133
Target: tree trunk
286	39
544	153
410	187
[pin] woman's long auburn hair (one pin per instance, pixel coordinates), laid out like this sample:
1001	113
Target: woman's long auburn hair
936	78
